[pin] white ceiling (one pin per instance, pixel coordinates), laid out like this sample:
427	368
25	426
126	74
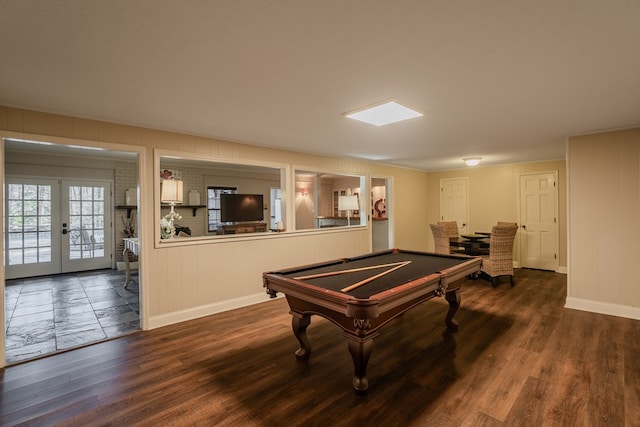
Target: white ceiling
502	79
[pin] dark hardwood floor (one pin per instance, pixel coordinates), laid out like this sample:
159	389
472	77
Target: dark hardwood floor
519	358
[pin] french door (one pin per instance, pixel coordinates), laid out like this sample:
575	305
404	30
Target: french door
56	226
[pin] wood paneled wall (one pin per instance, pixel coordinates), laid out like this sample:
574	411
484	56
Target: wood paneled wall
604	223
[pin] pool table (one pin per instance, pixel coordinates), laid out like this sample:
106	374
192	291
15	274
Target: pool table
364	293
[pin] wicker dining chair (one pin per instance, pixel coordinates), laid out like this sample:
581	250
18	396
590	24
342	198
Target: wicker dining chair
500	259
451	228
441	238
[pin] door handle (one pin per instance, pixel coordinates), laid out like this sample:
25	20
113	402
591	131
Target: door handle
524	227
64	228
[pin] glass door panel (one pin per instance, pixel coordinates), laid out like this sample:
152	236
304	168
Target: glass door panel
87	209
30	238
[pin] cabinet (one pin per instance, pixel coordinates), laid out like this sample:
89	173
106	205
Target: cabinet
345	192
336	221
242	228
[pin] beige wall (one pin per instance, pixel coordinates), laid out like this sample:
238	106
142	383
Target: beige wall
604	223
180	282
494	196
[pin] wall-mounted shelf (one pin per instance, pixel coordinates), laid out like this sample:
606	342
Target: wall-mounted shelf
251	227
194	208
128	208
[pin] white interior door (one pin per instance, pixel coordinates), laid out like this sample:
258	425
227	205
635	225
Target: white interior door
56	226
538	219
454	199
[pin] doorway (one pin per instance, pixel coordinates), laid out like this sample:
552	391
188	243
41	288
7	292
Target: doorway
275	220
63	241
381	214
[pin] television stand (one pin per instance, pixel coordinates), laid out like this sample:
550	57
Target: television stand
247	227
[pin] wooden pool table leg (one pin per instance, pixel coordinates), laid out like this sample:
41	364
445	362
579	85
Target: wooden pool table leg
360	353
453	298
300	322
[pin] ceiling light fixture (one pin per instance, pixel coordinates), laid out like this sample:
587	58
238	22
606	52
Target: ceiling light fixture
384	113
472	161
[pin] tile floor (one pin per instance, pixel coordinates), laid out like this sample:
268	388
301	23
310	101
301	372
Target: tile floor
44	315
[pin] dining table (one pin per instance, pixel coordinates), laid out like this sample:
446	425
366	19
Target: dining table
471	244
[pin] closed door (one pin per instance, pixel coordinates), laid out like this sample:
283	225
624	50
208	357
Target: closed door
56	227
539	221
454	201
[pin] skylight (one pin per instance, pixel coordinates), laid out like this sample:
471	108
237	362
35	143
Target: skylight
384	114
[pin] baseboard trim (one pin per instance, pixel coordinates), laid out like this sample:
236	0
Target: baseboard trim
603	308
204	310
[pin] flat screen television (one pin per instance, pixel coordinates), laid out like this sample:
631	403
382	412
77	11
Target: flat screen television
241	207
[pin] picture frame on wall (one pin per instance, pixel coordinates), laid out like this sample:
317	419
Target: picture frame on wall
171	174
